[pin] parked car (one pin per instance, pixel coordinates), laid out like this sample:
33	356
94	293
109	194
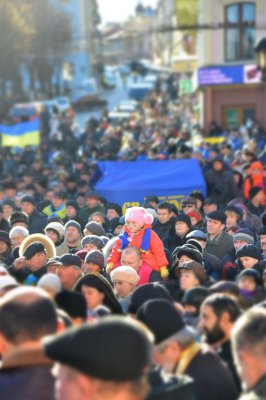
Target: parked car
138	91
86	93
25	111
64	103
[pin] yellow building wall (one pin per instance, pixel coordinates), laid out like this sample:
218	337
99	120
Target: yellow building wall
211	41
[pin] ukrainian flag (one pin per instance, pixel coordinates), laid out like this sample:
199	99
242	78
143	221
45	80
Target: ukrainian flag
21	134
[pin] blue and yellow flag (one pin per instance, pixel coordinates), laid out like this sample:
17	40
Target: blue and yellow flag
21	134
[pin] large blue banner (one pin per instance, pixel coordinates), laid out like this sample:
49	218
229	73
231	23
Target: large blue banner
128	183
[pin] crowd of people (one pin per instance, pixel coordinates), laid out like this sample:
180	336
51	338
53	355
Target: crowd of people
151	303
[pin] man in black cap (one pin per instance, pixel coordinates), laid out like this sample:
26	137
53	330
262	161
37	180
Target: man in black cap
212	264
209	205
37	221
72	242
35	260
26	315
219	242
92	205
69	270
112	367
177	351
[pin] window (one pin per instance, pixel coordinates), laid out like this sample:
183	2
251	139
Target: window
239	31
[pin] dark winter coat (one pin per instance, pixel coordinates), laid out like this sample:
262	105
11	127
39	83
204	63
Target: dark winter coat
212	378
26	375
220	245
37	222
221	186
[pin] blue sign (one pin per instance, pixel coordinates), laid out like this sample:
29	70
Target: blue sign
128	183
221	75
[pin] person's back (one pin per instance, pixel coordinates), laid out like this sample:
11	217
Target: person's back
26	315
212	378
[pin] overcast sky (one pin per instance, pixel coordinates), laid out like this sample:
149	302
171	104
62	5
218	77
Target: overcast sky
119	10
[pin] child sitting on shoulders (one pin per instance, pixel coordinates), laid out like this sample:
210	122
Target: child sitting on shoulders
138	233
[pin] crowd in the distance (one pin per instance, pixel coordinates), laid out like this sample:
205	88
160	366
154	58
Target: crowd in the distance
151	302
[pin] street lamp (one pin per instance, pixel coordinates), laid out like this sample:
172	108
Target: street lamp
260	50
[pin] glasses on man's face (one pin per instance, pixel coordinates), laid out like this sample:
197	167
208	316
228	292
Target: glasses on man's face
187	206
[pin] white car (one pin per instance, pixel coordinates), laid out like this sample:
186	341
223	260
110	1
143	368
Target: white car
64	103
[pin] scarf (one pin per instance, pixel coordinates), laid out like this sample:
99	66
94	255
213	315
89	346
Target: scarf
145	243
186	357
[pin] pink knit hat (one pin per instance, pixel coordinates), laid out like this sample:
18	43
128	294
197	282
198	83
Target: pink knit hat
138	214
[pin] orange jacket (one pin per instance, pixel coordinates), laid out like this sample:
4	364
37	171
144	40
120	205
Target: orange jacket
155	257
255	177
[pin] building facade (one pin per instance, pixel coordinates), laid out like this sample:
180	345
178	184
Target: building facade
228	79
82	53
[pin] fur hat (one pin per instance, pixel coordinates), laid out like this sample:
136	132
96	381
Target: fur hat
18	216
125	274
139	215
51	281
57	227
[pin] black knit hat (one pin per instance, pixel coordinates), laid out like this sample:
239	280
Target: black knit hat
189	251
217	216
251	273
162	318
183	218
249	250
195	296
72	203
119	349
4	237
254	191
95	257
27	198
197	195
18	216
114	206
147	292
